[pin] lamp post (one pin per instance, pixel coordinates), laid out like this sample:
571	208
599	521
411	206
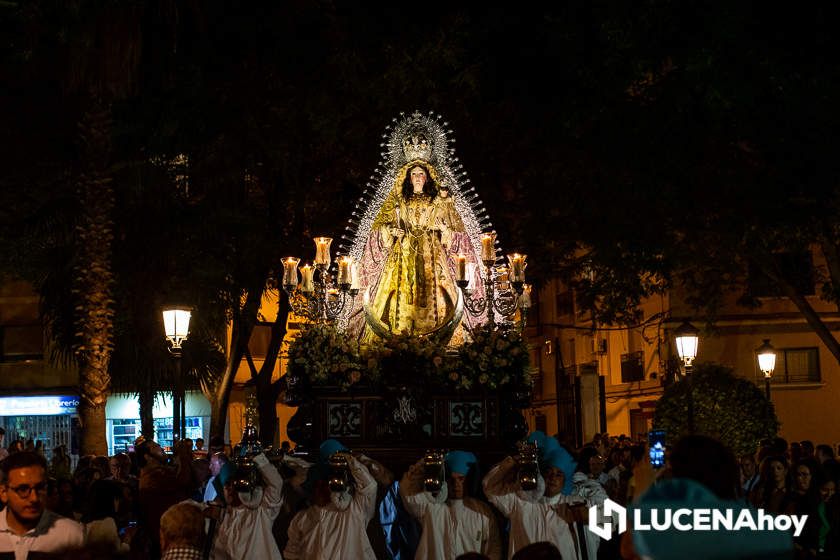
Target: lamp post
766	363
176	325
687	338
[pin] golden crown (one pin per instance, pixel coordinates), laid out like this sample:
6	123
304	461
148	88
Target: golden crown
417	145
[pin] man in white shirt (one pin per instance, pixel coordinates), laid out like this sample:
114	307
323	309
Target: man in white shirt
453	522
25	525
542	514
220	471
335	525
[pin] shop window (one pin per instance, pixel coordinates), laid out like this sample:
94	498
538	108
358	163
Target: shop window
123	434
163	430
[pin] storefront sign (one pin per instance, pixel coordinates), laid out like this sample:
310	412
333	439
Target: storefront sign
38	406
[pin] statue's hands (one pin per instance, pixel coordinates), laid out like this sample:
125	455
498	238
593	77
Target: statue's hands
397	232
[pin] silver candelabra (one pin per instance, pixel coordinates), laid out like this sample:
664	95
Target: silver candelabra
320	296
505	291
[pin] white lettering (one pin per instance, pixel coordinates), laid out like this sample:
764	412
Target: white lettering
701	520
637	521
783	522
745	521
682	512
765	521
798	523
722	519
660	525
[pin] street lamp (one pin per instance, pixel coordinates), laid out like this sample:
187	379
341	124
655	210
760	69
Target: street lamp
176	325
687	338
766	363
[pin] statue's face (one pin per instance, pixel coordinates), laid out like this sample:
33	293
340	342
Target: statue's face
418	179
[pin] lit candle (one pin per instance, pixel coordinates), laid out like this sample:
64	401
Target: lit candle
460	267
344	274
307	286
322	251
471	276
525	298
503	277
517	267
290	273
488	249
354	280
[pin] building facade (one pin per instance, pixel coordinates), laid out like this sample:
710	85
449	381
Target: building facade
597	378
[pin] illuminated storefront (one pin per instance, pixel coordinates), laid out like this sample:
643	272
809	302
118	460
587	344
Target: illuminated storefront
49	419
122	415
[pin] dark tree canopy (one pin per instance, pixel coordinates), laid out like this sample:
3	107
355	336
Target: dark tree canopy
723	405
629	148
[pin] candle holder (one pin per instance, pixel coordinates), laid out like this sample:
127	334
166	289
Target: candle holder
501	295
320	298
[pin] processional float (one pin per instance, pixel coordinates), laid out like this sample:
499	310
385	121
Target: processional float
418	276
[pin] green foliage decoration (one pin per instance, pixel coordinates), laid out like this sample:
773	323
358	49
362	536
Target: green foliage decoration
725	406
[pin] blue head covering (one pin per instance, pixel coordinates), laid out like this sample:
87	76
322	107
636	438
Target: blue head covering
537	437
328	447
226	472
559	458
460	462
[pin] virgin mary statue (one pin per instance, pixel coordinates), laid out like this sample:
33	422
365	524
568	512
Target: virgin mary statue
417	220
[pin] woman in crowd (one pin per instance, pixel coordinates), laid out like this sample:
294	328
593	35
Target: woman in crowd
772	489
804	493
821	538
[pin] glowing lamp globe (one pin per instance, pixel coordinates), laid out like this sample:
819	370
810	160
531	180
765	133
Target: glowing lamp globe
176	324
766	358
687	338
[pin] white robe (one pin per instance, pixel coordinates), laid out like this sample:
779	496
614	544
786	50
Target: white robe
245	531
533	517
450	527
328	532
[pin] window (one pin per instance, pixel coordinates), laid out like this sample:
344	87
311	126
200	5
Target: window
565	304
796	267
123	434
632	367
21	342
163	429
797	365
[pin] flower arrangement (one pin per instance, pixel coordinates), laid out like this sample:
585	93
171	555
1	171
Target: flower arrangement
493	359
404	359
324	356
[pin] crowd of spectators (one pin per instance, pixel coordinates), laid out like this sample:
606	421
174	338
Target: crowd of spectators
195	503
